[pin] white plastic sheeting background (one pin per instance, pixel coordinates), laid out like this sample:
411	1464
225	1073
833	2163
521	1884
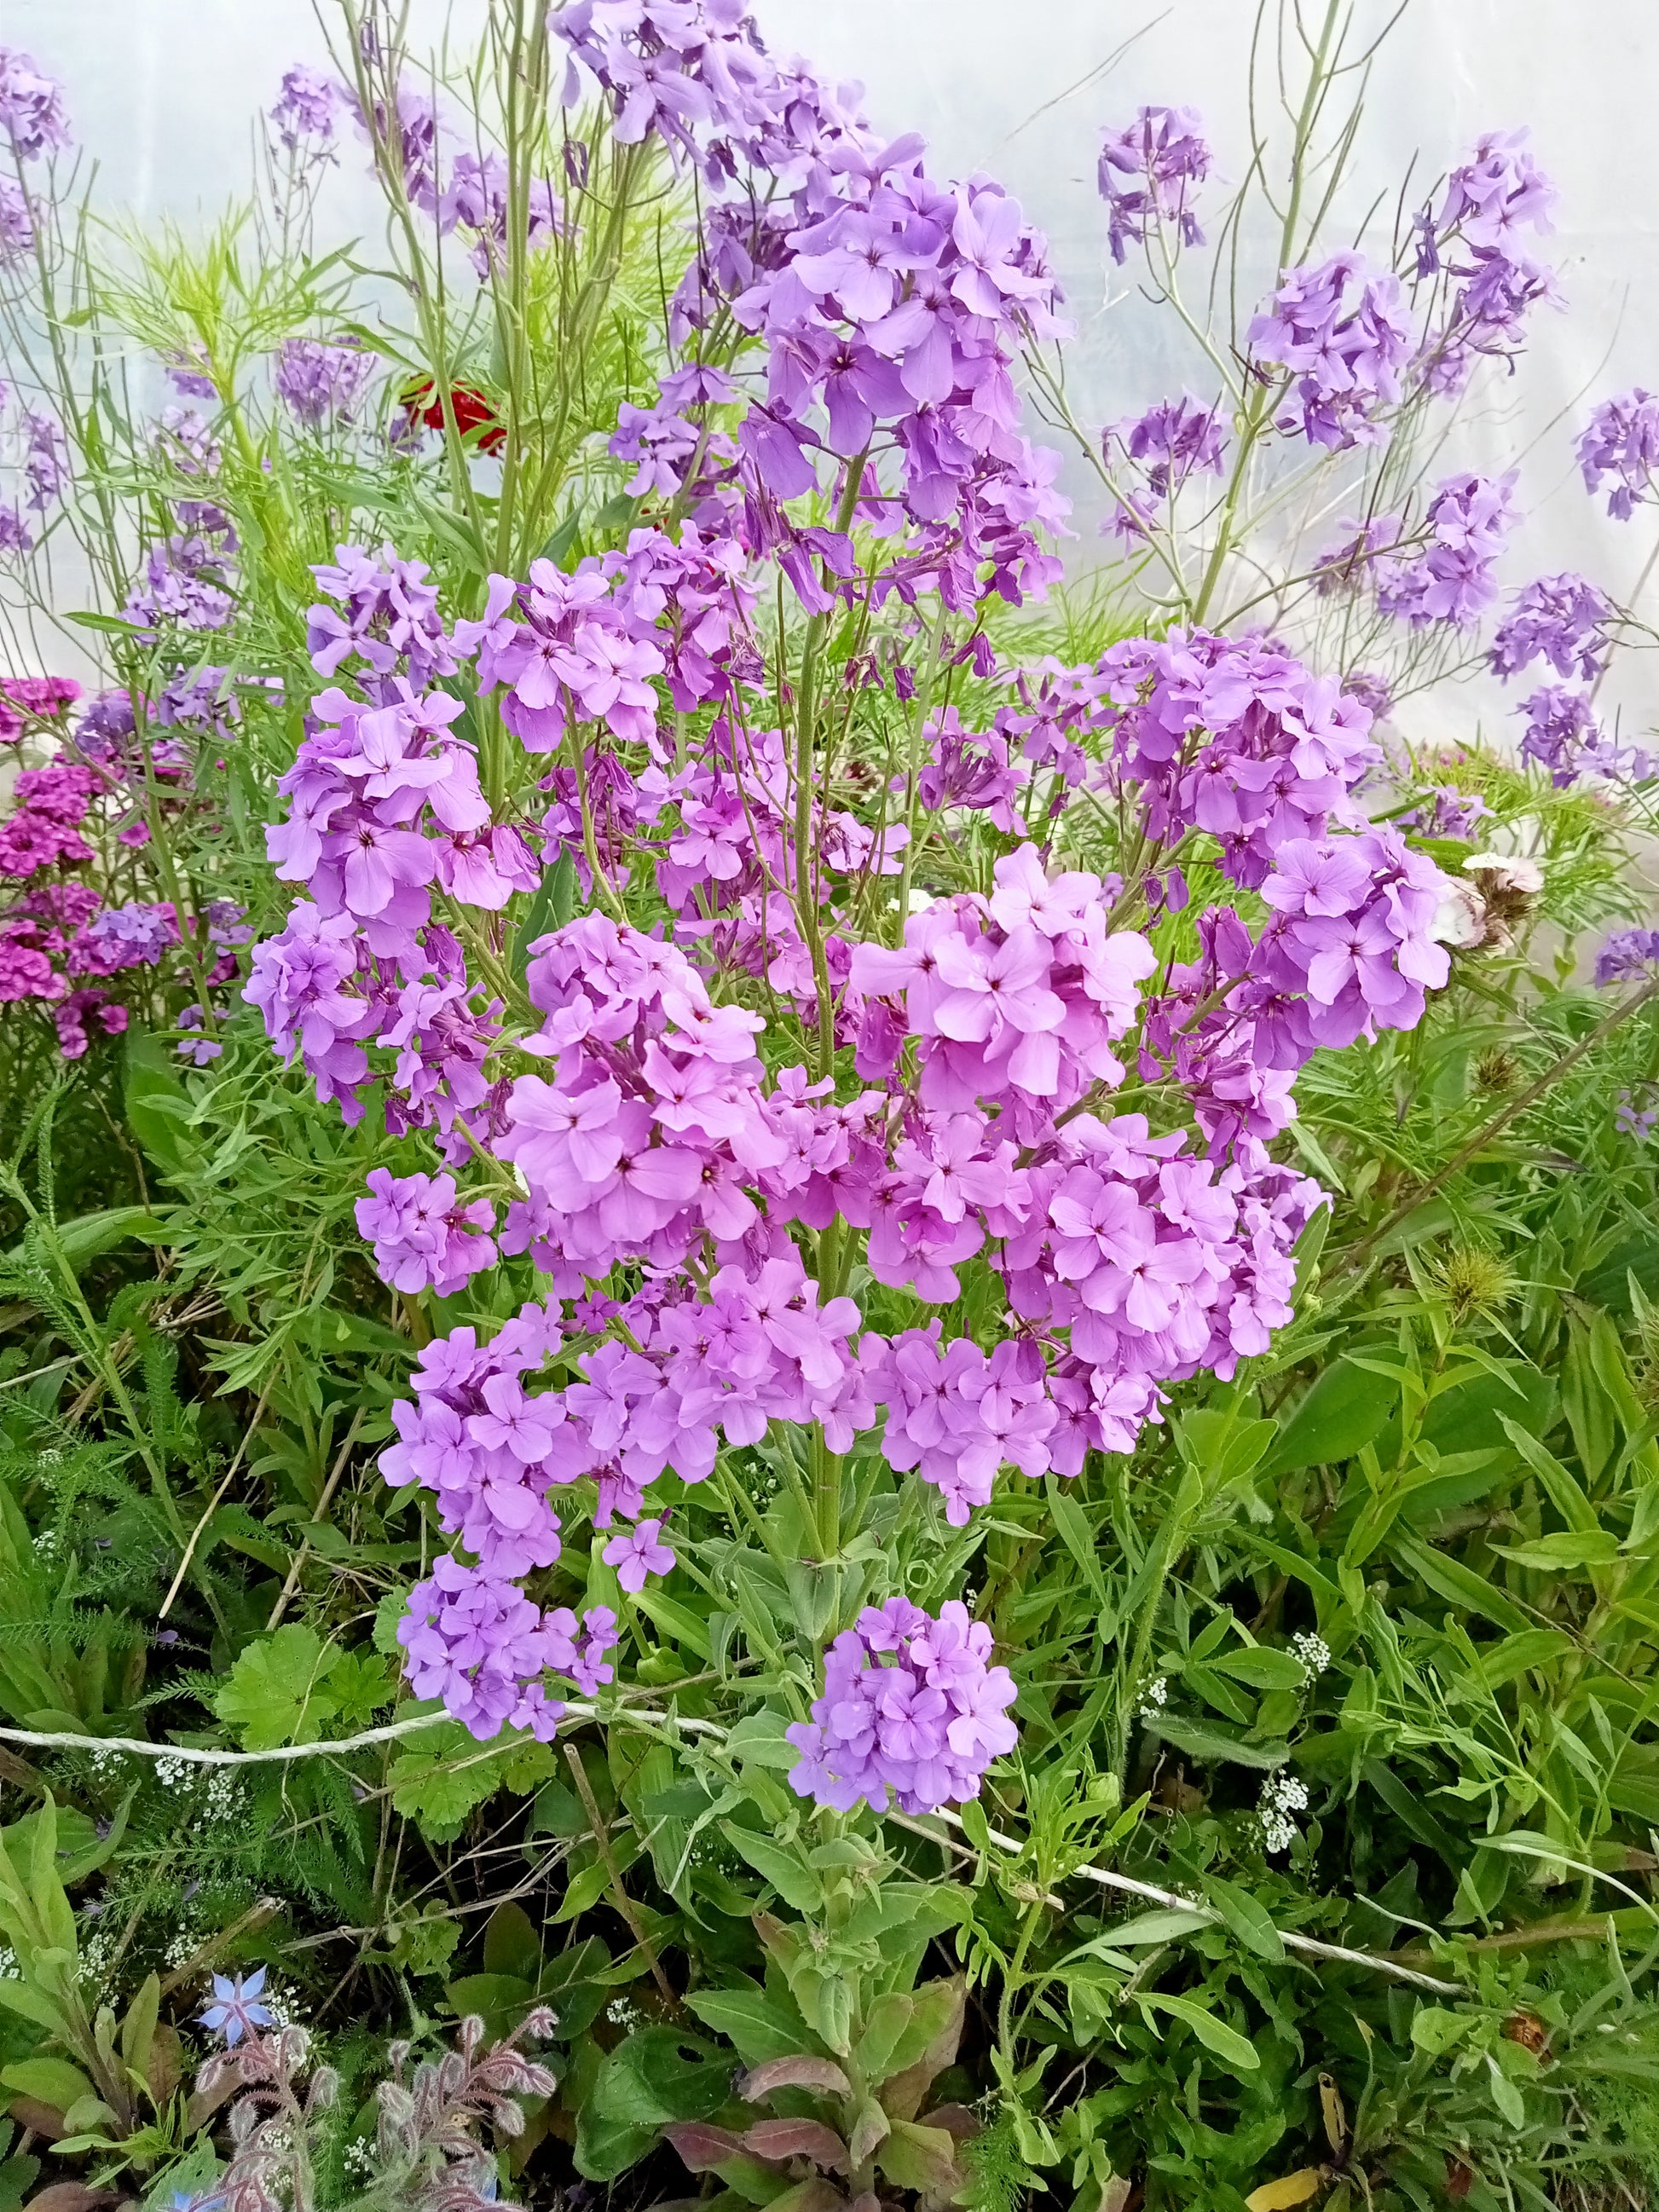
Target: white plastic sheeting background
164	92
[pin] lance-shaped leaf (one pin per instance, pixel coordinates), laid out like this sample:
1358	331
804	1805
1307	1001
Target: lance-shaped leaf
797	2139
801	2071
920	2158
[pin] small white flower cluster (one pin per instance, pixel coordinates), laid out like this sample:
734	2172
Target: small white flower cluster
184	1946
1312	1651
107	1766
97	1956
623	2015
282	2004
1282	1797
359	2159
9	1971
217	1792
1153	1698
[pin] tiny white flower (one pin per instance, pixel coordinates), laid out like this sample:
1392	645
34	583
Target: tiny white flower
1312	1651
1153	1698
1282	1796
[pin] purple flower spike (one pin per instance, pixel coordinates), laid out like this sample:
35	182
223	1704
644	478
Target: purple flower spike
1341	331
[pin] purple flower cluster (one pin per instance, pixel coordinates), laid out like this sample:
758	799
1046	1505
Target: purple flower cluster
1341	332
186	580
1147	173
1629	956
1451	580
1016	999
887	304
423	1236
1354	937
483	1646
655	1121
32	111
1233	736
1562	734
909	1705
1172	442
365	786
1621	440
131	936
322	384
1488	203
1558	619
305	111
487	1448
694	1210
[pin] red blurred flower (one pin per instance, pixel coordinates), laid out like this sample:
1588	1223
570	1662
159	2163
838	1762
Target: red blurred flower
423	404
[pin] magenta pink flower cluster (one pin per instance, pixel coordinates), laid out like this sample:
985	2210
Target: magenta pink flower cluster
761	1131
62	939
909	1705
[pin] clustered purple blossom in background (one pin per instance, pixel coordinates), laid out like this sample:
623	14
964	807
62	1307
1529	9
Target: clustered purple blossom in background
1453	579
322	384
1621	440
1341	332
305	111
1147	173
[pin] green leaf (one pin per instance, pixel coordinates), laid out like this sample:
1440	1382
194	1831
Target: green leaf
919	2157
109	625
1564	1549
1210	1746
89	1234
1342	1413
755	2024
1561	1487
1145	1928
53	2081
796	1884
1228	2045
1459	1585
33	2004
158	1107
674	1620
437	1786
1078	1537
277	1691
1246	1917
553	905
1436	2031
759	1738
1262	1667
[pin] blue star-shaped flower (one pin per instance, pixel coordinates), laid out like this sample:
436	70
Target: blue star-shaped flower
234	2012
